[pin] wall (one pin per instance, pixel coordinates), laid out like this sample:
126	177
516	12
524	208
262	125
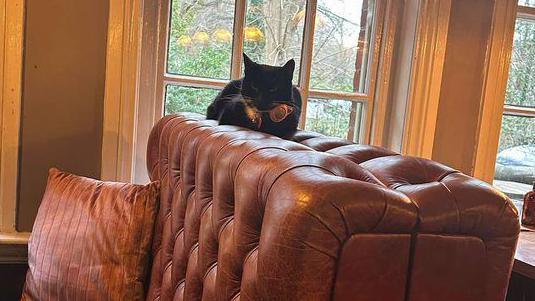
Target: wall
462	83
63	91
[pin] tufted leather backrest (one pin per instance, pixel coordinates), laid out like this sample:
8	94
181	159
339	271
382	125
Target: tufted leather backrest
247	216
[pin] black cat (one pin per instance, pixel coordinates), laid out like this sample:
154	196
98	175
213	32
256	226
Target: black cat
247	102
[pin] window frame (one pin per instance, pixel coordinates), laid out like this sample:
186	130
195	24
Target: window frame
523	13
526	13
372	66
506	13
134	102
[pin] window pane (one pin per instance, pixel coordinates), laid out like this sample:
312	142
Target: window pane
186	99
341	45
273	31
527	3
332	117
521	84
515	164
200	38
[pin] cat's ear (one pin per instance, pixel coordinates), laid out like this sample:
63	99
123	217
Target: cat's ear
289	67
247	62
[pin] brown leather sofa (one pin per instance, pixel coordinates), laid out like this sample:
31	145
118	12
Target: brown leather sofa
247	216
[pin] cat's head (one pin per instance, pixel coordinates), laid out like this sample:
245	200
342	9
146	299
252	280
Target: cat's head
265	86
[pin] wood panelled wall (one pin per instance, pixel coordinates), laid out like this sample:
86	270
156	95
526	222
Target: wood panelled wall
63	95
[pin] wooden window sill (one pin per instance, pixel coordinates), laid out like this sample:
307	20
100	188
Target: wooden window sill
15	238
14	248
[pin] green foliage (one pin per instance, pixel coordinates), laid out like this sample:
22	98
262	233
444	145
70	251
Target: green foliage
520	88
341	84
208	58
521	84
185	99
210	62
329	117
517	131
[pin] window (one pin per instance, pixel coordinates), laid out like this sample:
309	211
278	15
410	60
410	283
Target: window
515	163
332	42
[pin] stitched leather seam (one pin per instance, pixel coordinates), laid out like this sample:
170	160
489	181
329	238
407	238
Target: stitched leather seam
170	130
396	186
254	150
195	246
234	139
385	208
289	169
346	226
503	210
158	138
168	265
231	141
205	208
337	263
249	254
178	138
208	271
277	178
183	280
458	215
443	176
412	247
324	225
181	230
190	194
181	162
210	167
168	213
227	222
319	250
235	296
379	157
163	170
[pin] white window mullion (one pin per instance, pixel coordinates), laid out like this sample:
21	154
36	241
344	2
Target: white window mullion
194	82
519	111
306	56
372	56
338	95
352	122
164	35
237	42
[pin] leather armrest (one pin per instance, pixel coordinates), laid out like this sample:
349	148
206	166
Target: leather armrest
463	224
312	211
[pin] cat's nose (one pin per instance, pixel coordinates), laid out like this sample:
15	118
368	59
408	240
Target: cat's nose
259	100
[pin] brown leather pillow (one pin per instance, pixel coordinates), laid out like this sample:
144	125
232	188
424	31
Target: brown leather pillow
91	240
